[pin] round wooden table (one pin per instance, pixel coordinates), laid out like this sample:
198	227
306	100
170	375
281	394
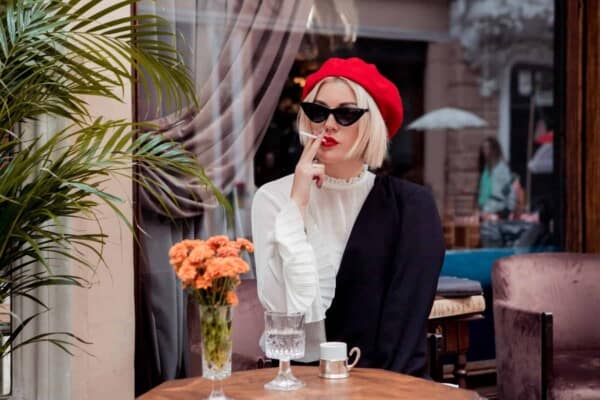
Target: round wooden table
363	383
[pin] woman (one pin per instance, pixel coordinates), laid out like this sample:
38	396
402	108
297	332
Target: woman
358	254
496	196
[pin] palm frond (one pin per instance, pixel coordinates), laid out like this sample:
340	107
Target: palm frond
52	53
56	338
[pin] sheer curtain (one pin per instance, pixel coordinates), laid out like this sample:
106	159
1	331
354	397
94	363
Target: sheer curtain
42	370
240	53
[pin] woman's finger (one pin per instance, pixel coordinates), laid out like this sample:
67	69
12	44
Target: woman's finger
314	147
318	166
318	173
305	150
311	148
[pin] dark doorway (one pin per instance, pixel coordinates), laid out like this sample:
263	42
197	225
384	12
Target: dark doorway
532	115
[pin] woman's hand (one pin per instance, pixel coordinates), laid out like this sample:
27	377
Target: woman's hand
307	171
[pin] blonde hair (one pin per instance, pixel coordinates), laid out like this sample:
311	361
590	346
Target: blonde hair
371	144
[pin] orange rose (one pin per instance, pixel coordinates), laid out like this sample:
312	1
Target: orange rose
245	244
238	265
202	283
177	254
200	253
187	272
222	267
189	244
213	266
217	241
229	250
232	298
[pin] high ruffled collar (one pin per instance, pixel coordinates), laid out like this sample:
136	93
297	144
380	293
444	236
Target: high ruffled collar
340	183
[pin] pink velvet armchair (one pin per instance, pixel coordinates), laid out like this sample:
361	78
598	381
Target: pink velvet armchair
547	326
248	325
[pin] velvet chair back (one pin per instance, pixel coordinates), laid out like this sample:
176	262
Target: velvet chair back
547	328
248	326
565	284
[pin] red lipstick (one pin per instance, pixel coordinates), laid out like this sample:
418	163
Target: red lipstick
329	141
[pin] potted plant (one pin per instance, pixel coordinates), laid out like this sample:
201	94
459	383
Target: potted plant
52	53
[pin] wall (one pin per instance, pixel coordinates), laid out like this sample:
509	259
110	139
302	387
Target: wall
436	96
463	145
451	157
104	314
404	16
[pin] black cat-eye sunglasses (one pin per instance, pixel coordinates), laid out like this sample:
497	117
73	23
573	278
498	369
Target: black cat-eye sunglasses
344	116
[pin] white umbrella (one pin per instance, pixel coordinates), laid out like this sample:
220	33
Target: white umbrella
542	161
447	118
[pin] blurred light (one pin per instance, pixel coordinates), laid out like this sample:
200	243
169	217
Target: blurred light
298	80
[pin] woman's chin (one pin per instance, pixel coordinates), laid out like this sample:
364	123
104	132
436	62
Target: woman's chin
329	157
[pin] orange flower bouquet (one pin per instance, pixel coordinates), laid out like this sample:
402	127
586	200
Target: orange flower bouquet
210	270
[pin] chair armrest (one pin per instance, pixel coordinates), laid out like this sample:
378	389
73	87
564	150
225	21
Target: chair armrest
265	363
244	362
523	351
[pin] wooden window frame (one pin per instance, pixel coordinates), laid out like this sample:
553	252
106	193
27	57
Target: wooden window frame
577	61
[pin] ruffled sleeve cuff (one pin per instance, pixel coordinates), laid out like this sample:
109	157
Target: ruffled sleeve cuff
299	264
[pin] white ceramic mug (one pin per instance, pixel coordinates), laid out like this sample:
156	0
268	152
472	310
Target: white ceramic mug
333	363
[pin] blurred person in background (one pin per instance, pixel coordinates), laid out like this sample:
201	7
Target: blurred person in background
496	196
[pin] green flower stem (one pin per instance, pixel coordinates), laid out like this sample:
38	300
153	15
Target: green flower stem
215	325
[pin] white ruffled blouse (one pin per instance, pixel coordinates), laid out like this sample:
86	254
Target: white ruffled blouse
297	261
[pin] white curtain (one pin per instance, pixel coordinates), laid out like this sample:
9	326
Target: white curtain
42	371
240	53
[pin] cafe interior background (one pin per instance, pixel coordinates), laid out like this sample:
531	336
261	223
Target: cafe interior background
249	60
493	59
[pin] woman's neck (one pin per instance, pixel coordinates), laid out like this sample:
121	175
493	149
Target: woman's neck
344	170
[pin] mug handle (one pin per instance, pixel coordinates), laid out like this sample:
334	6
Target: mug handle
357	351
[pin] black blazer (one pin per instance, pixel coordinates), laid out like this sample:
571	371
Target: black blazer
387	279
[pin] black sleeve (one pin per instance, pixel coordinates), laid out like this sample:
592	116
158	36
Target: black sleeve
417	263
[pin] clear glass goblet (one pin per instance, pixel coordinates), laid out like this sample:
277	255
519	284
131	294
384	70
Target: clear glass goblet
284	341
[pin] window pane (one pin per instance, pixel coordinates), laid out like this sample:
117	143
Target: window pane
476	78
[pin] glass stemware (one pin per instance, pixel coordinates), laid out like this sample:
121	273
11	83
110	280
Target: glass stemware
284	341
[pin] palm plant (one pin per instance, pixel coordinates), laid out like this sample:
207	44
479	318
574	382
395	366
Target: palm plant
53	52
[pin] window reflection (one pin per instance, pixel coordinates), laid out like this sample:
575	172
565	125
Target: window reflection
494	60
465	70
250	58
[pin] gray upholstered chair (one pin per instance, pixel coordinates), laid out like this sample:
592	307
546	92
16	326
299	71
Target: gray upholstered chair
547	325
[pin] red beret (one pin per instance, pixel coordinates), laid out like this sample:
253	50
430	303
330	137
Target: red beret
383	91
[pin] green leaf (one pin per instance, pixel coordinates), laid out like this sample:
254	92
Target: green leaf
52	54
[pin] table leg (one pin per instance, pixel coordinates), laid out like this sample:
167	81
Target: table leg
460	370
450	336
436	347
460	367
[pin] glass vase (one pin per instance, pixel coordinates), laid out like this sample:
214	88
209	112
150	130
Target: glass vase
215	327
